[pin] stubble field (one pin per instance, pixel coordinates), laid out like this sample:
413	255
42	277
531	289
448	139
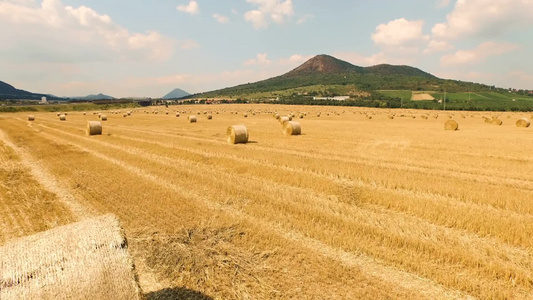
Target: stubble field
354	208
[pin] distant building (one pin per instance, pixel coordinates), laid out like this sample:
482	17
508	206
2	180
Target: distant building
43	100
337	98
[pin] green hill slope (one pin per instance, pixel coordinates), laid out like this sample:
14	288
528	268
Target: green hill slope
327	70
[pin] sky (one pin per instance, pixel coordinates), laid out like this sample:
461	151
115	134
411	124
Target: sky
127	48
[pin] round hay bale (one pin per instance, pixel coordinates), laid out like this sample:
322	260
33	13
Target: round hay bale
301	116
237	134
276	116
292	128
84	113
209	116
66	114
177	115
496	121
283	120
31	118
94	128
58	114
245	115
369	117
84	260
62	118
192	119
103	117
523	122
451	125
390	117
125	115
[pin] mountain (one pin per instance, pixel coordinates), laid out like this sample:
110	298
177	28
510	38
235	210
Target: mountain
327	71
324	64
94	97
7	91
387	70
176	94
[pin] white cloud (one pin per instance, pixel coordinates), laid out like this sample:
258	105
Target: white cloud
221	19
294	60
191	8
277	11
485	18
304	18
77	34
381	57
399	32
438	46
443	3
261	60
478	55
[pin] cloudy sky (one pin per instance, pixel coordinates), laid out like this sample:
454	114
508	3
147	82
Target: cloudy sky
147	48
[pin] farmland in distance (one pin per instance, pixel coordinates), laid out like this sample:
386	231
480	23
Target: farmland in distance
355	207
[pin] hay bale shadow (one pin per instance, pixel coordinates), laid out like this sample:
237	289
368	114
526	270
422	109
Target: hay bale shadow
176	293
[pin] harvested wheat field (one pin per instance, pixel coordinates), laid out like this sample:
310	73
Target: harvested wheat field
353	208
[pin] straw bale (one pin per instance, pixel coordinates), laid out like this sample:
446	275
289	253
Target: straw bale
192	119
451	125
94	128
283	120
292	128
237	134
103	117
209	116
31	118
523	122
496	121
84	260
62	118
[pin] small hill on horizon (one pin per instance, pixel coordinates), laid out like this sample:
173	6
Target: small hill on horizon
176	94
8	91
90	97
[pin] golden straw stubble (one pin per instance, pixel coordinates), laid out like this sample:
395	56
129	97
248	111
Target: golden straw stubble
292	128
451	125
237	134
94	128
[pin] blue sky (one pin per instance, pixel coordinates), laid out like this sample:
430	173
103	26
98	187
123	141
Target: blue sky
147	48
